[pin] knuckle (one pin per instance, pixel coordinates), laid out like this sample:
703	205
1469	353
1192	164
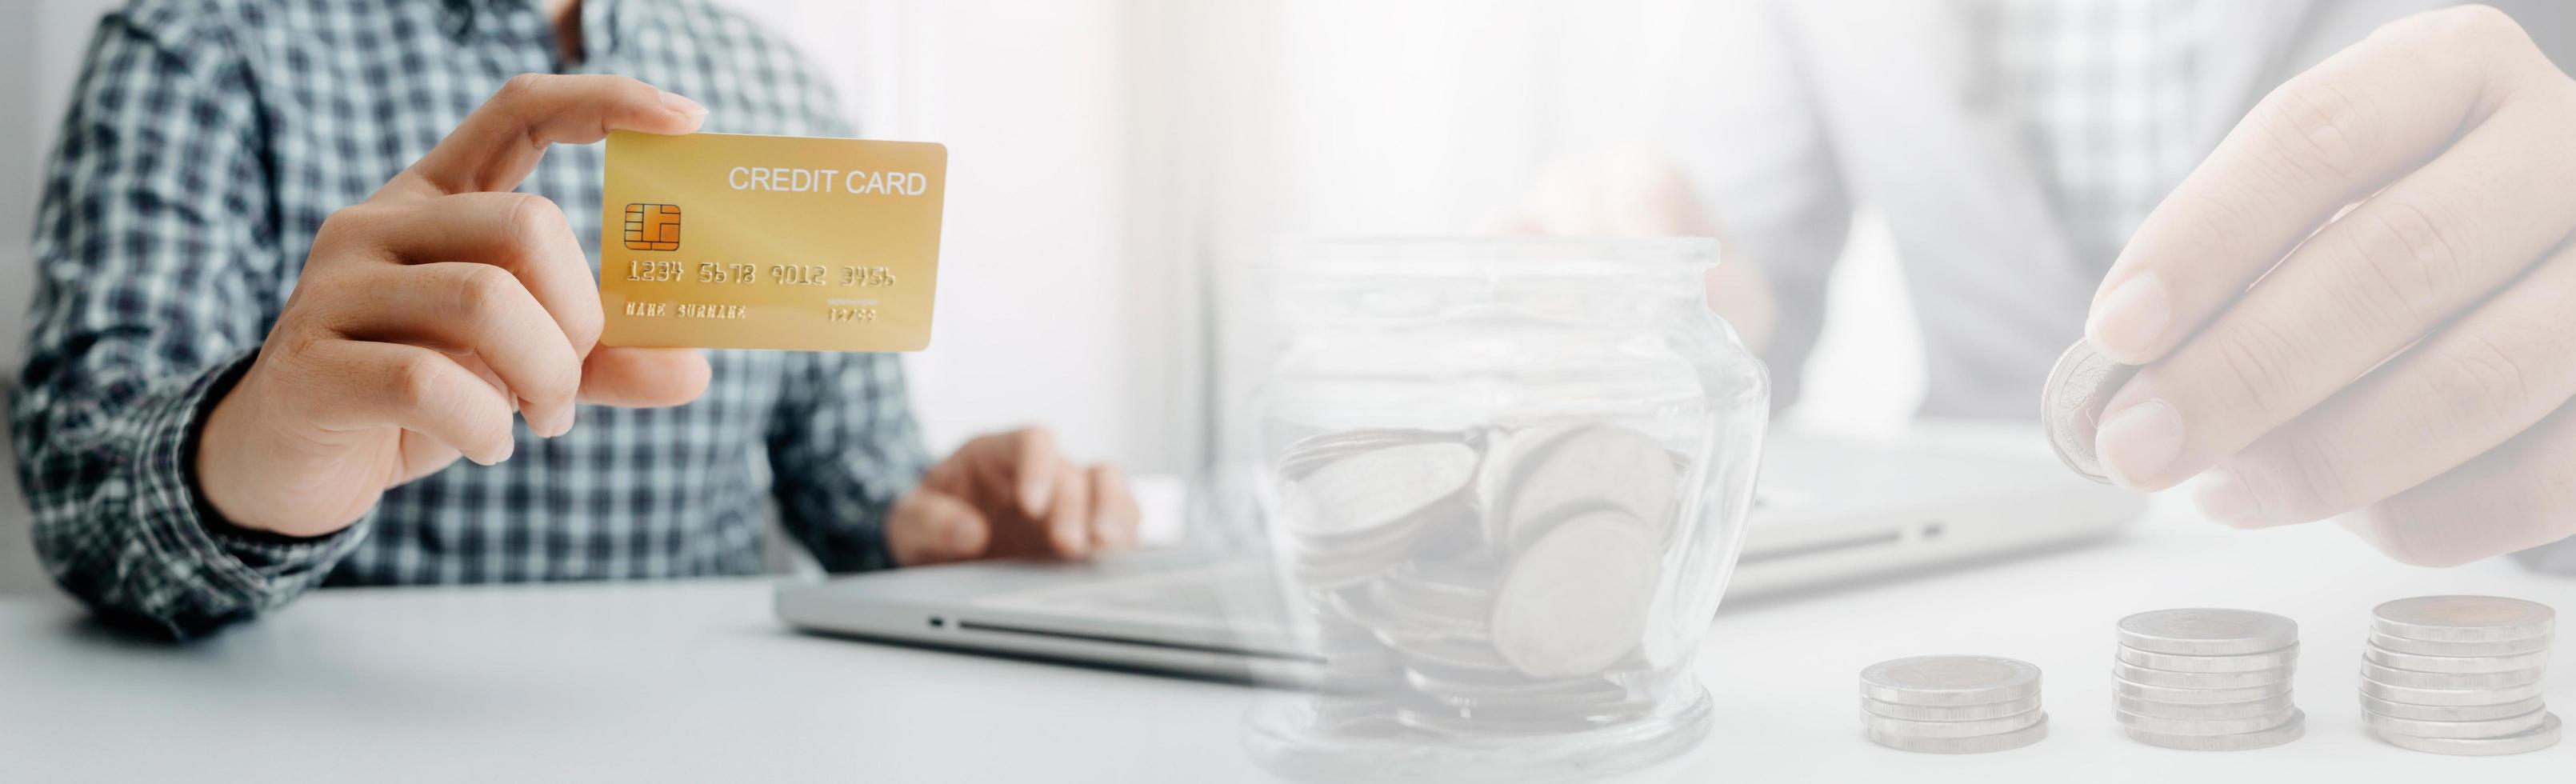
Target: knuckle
2316	130
295	339
2479	380
418	381
345	227
2413	251
483	292
2212	229
1037	442
518	87
531	218
2257	362
2469	25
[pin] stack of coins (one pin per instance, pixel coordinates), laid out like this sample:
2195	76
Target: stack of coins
1488	583
2459	675
2207	680
1952	704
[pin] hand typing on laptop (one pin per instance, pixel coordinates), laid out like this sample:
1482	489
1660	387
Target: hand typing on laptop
1011	495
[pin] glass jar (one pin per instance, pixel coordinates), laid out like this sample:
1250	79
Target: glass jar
1503	482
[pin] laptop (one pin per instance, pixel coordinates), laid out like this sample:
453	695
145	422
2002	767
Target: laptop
1828	511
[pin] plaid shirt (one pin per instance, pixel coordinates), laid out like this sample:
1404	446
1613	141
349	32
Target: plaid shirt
206	142
2106	89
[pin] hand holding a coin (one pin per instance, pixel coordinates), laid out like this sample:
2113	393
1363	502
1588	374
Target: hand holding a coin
430	314
2363	304
1010	495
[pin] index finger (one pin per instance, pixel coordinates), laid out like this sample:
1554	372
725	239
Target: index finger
2323	140
499	144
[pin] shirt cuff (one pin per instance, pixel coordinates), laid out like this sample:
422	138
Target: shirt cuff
252	570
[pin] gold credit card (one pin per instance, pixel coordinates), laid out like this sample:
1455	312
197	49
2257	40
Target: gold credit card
717	240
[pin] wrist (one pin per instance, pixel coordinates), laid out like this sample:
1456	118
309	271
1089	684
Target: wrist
216	464
239	469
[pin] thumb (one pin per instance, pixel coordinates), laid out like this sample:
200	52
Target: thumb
930	527
643	377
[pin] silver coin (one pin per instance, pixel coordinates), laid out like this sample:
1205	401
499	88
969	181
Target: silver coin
1297	459
2543	737
2201	631
1357	496
2483	728
2267	660
2432	648
1949	680
2268	706
2406	710
2185	696
2449	697
1576	599
2294	729
2448	680
2165	726
2199	680
1977	745
2071	404
1586	468
1447	588
2464	665
2463	619
1880	725
1990	710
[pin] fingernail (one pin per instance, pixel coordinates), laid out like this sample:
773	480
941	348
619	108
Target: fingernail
1035	491
540	426
563	421
2138	442
2224	496
679	103
2130	321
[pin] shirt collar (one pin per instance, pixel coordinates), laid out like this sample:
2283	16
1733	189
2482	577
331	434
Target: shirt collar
604	23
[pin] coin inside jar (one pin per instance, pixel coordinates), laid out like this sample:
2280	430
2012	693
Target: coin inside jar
1575	600
1596	466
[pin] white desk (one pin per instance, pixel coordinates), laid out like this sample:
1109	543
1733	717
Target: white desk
695	681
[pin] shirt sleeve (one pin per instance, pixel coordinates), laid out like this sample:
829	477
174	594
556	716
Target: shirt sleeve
842	448
156	268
